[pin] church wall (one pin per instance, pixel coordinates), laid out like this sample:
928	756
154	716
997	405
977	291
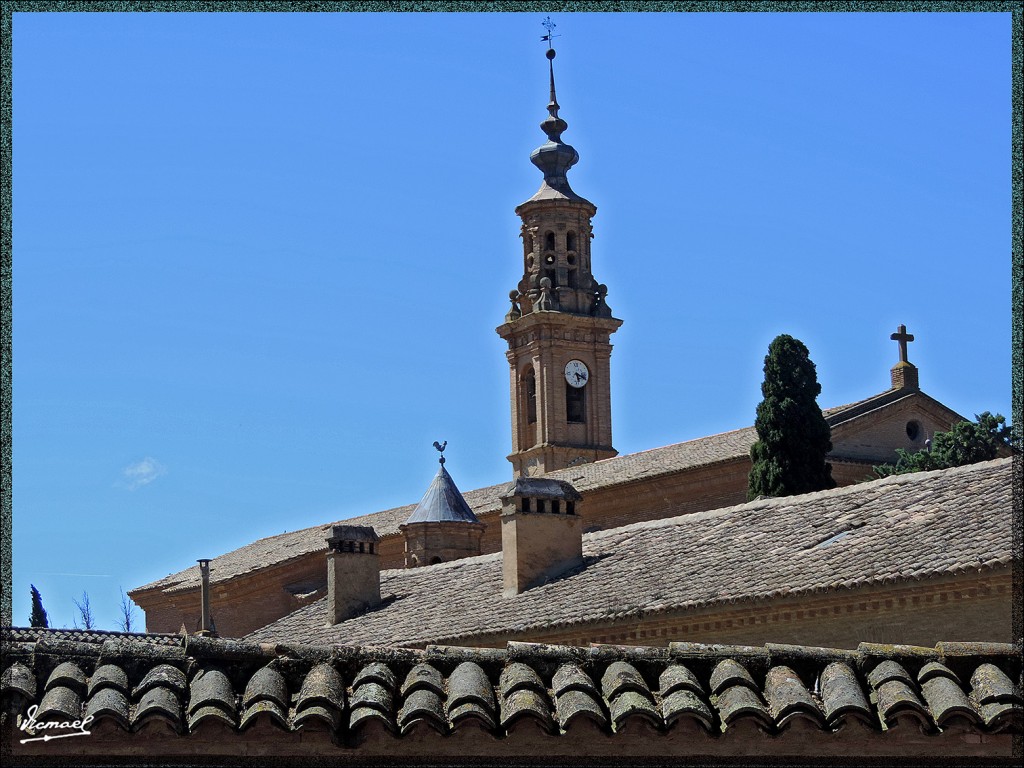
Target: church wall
958	608
876	436
244	604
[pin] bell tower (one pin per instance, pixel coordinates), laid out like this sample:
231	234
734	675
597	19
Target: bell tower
559	326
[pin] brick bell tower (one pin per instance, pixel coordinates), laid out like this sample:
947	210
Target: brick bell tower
559	326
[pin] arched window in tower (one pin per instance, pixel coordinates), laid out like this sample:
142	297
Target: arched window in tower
575	404
530	395
570	241
549	241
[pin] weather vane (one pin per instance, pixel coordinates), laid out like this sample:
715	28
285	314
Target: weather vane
549	25
440	447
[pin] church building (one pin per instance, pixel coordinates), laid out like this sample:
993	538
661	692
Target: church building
594	606
582	526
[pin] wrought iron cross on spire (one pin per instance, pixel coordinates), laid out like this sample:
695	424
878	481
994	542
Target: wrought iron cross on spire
549	25
902	337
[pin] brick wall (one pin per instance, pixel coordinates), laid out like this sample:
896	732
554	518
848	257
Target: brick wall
957	608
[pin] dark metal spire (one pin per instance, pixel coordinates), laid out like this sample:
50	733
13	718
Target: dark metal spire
554	157
442	503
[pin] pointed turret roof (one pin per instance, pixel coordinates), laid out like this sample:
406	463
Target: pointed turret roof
442	503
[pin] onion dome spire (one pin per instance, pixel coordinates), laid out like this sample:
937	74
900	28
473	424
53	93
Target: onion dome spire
554	157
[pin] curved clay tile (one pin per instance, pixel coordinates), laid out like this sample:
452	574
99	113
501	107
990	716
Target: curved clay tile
570	677
109	703
165	676
108	676
518	675
423	704
266	685
620	677
376	672
468	682
990	684
729	672
936	669
317	713
887	671
158	702
788	698
323	687
677	677
842	695
685	703
18	679
469	710
211	712
946	700
268	708
211	687
60	703
896	699
741	702
631	703
526	703
69	675
574	704
423	676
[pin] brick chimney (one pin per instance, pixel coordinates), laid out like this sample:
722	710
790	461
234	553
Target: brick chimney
353	571
541	532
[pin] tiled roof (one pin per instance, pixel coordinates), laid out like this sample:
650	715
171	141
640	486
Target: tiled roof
707	689
278	549
620	470
903	527
34	634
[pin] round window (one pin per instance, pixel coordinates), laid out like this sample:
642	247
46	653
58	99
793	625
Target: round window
913	430
549	259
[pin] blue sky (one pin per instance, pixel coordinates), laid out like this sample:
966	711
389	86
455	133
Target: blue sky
259	258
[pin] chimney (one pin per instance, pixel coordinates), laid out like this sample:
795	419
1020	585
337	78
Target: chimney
353	571
541	532
205	622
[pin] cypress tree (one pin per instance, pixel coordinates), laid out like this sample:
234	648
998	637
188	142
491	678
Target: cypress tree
38	614
793	436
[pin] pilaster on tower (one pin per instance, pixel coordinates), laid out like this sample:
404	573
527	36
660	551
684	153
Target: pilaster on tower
559	326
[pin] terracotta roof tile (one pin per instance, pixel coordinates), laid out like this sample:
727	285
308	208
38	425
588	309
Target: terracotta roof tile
440	690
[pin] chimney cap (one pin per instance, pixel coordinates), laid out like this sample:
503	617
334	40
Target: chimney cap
541	488
352	533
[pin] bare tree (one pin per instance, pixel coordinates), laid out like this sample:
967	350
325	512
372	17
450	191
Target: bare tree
84	612
127	621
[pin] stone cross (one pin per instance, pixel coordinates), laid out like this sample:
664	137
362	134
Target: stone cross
902	337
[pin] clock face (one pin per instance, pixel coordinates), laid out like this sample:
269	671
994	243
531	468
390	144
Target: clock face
576	373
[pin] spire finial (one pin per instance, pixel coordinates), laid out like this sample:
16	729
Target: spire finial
555	157
440	447
549	25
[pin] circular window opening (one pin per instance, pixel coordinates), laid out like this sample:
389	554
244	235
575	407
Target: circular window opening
572	259
913	430
549	259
